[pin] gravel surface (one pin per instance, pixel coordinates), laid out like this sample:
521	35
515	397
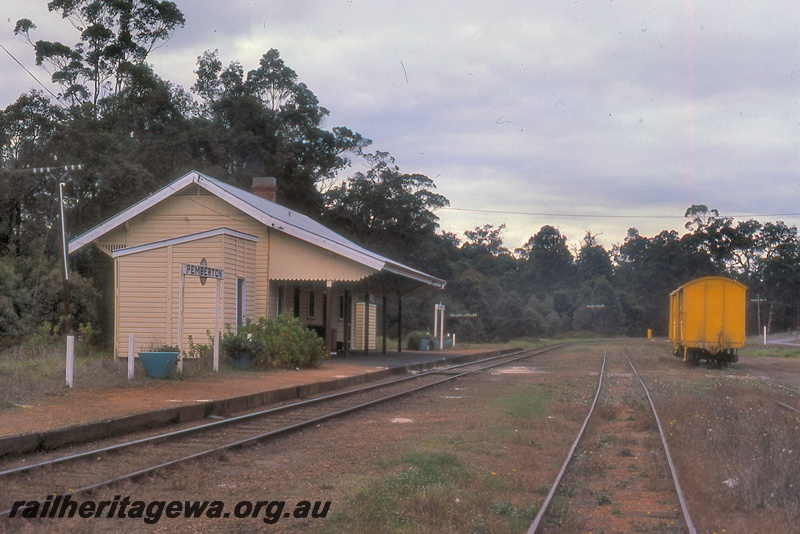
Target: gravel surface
87	404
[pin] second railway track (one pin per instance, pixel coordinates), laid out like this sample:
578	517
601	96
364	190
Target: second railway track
618	476
92	468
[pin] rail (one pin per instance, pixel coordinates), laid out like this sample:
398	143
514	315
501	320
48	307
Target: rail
684	509
537	522
540	515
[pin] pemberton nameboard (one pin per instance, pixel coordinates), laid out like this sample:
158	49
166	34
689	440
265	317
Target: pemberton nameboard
203	271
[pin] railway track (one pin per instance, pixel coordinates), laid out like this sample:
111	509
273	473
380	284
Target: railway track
774	383
38	476
618	475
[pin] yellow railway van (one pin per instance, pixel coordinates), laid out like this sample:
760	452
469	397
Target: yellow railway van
707	320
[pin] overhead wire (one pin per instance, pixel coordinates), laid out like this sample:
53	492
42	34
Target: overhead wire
608	215
32	75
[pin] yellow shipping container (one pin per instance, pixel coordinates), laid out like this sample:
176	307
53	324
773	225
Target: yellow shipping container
707	320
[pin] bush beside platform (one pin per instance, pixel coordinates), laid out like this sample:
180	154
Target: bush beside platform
281	342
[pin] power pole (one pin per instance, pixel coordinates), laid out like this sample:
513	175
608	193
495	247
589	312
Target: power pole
60	180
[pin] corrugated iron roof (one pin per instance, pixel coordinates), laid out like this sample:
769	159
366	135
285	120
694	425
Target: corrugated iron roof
269	213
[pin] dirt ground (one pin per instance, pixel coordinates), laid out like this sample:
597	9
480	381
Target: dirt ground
783	370
87	404
507	431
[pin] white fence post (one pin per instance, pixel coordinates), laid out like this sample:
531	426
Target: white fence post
131	344
70	359
216	331
180	323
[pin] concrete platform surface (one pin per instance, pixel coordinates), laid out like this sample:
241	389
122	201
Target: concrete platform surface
87	413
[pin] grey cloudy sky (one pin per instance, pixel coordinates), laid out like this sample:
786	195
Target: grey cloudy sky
617	113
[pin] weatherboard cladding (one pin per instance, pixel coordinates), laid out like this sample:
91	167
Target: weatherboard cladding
126	251
189	216
358	326
149	288
285	258
142	285
240	262
291	259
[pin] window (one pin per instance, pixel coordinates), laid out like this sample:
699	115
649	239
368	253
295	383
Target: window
281	299
312	304
341	307
296	302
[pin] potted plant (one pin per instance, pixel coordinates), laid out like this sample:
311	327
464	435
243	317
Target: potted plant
241	352
159	360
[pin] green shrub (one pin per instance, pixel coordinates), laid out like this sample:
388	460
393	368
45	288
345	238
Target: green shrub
200	350
235	345
157	346
286	343
413	339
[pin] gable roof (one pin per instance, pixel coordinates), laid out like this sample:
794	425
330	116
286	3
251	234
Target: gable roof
268	213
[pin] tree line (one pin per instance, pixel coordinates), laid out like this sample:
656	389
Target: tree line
132	132
545	288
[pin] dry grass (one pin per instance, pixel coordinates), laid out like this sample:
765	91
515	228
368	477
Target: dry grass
491	477
607	412
736	451
37	368
432	492
453	470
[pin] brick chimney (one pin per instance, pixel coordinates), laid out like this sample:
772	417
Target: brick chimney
265	187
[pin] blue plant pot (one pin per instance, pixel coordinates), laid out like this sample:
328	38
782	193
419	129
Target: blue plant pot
424	344
158	364
243	361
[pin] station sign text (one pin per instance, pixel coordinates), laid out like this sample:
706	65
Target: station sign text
203	271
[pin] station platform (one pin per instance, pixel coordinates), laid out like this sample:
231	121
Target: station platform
88	413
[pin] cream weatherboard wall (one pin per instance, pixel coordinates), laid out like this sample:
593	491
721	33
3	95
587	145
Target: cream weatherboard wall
148	291
142	289
358	326
293	260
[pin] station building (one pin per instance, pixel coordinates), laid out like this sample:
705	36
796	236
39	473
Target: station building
274	260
